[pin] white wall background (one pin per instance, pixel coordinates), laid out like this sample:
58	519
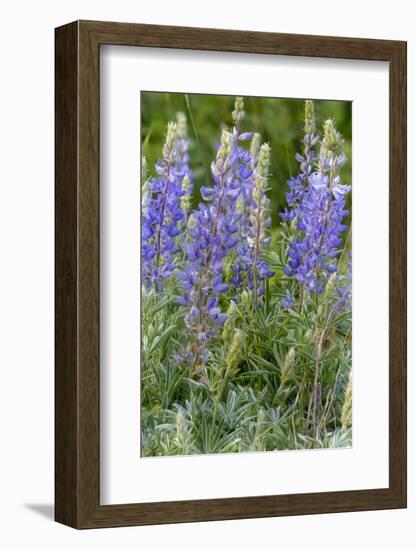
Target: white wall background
26	273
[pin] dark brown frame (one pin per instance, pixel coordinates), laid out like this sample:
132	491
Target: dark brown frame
77	274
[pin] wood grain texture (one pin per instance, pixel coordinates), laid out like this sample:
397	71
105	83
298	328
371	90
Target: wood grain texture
78	285
66	236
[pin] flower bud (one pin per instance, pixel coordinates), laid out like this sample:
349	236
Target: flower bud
234	349
309	117
332	140
185	199
180	422
238	114
331	285
254	148
169	144
192	222
288	364
264	160
225	148
181	125
229	323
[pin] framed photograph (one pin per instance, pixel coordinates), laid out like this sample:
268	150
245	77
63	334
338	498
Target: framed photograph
230	274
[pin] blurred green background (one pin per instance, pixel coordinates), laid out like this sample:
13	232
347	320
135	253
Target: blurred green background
279	121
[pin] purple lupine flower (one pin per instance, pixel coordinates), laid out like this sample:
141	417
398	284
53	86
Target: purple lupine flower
299	184
182	144
252	207
162	215
287	301
212	230
182	160
245	168
259	222
243	267
246	176
314	252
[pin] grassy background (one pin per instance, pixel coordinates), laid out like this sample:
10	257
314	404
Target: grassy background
279	121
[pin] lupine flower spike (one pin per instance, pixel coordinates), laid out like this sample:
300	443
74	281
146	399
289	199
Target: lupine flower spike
314	252
182	163
260	221
212	236
299	184
248	268
162	215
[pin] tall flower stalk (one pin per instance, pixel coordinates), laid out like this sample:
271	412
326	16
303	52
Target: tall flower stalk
182	158
319	217
182	163
212	233
252	207
299	184
162	214
259	220
245	166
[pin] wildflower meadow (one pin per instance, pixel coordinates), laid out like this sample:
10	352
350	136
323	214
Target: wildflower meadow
246	268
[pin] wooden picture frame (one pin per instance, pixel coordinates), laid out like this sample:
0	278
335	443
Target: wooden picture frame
77	373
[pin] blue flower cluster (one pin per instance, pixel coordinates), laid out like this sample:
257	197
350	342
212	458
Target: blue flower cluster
299	184
163	215
212	231
317	204
228	227
182	157
220	246
252	268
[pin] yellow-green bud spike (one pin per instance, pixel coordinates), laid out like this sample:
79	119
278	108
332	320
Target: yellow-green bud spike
185	199
181	125
238	114
288	363
180	422
347	406
309	117
229	323
169	144
262	170
255	145
225	145
192	222
231	361
332	140
331	285
234	349
264	158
